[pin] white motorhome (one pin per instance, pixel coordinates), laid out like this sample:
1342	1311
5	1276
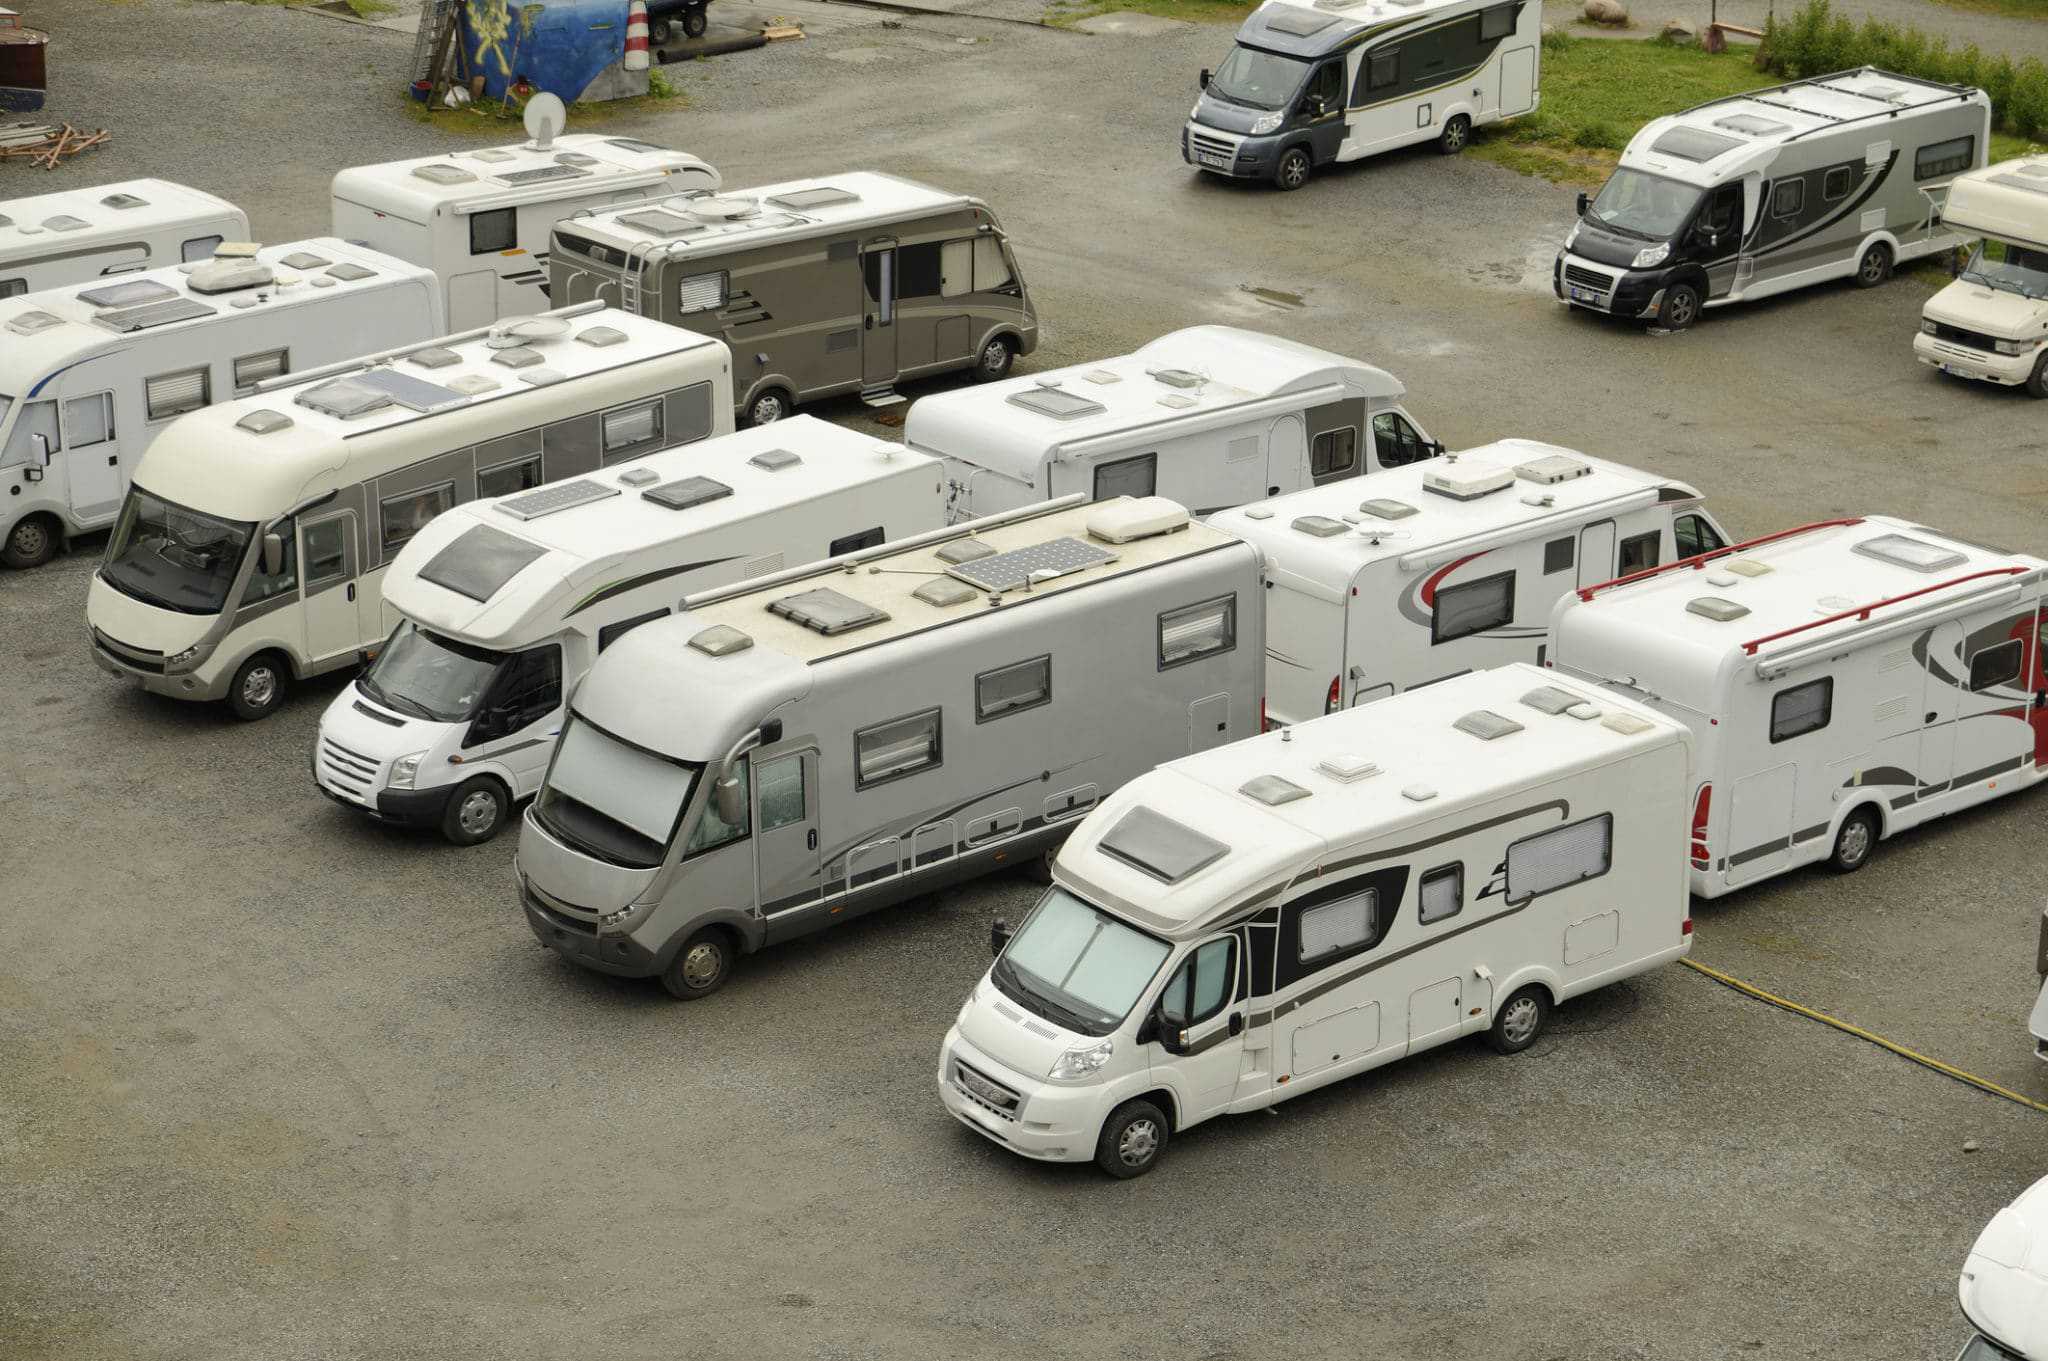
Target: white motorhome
1845	681
481	219
76	235
89	376
252	549
2003	1288
1835	177
1410	576
1242	926
788	754
1210	416
1319	81
1991	324
506	601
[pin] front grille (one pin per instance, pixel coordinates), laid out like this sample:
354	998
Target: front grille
1215	146
347	772
134	658
1957	335
985	1092
550	908
1587	278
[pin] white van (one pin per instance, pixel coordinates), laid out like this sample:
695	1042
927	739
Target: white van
505	603
1210	416
1991	324
76	235
1845	681
90	375
251	551
1270	917
2003	1288
481	219
1406	577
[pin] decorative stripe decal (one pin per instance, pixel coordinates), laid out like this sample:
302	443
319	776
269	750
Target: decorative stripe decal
634	583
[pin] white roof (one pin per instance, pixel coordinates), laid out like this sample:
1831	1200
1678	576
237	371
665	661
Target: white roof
31	349
2009	200
622	536
105	210
576	165
1439	523
208	459
1231	367
2004	1283
1426	768
1372	12
712	223
1792	583
1750	127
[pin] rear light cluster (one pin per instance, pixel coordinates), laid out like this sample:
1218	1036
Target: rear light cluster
1331	700
1701	806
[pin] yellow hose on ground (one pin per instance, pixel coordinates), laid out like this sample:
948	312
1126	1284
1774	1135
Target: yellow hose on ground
1946	1070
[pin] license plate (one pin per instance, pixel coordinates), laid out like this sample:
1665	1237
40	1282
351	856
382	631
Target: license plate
1209	158
1584	295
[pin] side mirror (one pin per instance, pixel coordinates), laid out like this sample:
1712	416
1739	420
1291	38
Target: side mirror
999	934
1170	1036
1435	447
1314	106
1203	84
728	801
771	732
1583	202
42	458
273	554
2041	961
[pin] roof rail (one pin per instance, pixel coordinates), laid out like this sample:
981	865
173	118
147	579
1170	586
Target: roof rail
1864	611
1700	560
1821	80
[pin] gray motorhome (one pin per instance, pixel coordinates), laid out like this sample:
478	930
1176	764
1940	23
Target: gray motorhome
1837	177
849	283
791	752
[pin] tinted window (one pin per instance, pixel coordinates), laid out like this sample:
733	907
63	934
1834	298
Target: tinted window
1396	442
326	550
918	270
853	543
1802	709
1443	894
571	446
1944	158
507	478
1558	555
497	230
1012	689
1638	553
1837	183
1382	69
1202	986
689	413
1473	607
1998	665
529	688
1497	22
1788	198
892	750
1335	452
1197	631
1694	536
1127	477
406	515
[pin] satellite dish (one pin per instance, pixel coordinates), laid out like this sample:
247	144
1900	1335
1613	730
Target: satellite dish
508	335
723	208
546	116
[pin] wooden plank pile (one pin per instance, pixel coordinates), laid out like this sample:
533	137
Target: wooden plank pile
46	145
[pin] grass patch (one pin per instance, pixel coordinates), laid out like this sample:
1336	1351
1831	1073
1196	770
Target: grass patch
1067	13
2011	9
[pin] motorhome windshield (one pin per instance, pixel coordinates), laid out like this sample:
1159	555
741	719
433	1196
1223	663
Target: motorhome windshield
1075	964
1982	1348
1261	80
1995	264
1644	205
616	802
173	557
421	673
6	405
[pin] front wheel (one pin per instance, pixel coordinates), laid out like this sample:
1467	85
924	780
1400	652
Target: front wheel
1133	1140
2037	381
1293	169
1681	307
768	408
994	360
1855	842
31	543
1455	137
701	967
1519	1021
475	811
258	687
694	22
1875	266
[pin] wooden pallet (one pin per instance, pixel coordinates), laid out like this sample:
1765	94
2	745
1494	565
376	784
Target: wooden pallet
780	32
46	146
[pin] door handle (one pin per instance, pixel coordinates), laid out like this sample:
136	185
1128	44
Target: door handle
351	590
811	839
1237	1023
867	323
1931	715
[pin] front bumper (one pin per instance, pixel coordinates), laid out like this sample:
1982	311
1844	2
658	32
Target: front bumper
402	807
1634	293
577	940
1228	153
1030	1118
147	669
1964	361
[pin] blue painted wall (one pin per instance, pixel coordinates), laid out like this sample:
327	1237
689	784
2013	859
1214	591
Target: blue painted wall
559	46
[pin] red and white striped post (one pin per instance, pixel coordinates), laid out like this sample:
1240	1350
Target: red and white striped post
636	36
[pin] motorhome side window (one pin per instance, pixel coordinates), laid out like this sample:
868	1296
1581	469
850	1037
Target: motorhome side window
1998	665
974	265
1788	197
781	782
1638	553
174	394
1497	22
13	288
1334	452
918	274
701	292
1472	607
494	231
1944	158
1559	858
853	543
1443	894
689	413
1350	923
611	633
1382	69
892	750
198	248
1127	477
631	431
252	369
327	550
407	514
505	478
1202	986
1802	709
263	585
89	420
713	831
1559	554
1012	689
1193	632
1837	183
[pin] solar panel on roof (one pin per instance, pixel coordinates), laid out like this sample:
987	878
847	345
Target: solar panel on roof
152	314
414	394
827	611
1694	144
1298	22
480	561
1751	124
1154	844
531	505
1020	566
1055	402
541	174
685	492
127	294
814	198
657	223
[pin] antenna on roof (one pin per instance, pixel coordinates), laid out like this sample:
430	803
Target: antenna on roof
518	331
546	116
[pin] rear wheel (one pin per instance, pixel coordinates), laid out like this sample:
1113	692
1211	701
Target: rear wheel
475	812
702	965
1519	1021
1855	842
994	360
1455	137
259	687
1875	266
1681	307
1293	169
659	32
31	543
694	22
1133	1140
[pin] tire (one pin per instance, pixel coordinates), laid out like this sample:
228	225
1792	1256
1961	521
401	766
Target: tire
1875	266
259	686
476	811
1456	136
2037	381
1133	1140
1854	843
1038	869
995	359
32	542
694	22
769	407
1681	308
659	32
701	967
1293	169
1520	1020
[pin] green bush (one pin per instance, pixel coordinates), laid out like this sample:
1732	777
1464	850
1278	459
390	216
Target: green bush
1598	136
1815	41
1556	40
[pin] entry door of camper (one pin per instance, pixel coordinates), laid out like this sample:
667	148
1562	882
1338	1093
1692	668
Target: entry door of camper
878	312
1947	674
327	557
1596	553
788	868
91	454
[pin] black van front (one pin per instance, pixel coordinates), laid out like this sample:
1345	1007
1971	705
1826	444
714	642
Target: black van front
1275	108
1647	246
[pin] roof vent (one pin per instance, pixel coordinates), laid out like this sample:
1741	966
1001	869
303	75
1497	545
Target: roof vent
1694	144
491	155
1891	94
64	222
1128	518
304	259
344	398
1551	700
348	273
540	378
517	357
603	337
638	477
442	174
1723	579
1386	508
686	492
964	550
1179	401
1584	711
1552	469
28	323
555	496
775	460
1258	513
1628	725
473	385
1715	608
1486	725
1463	481
1917	554
1322	526
817	197
1049	399
720	640
1833	604
1298	23
657	223
231	275
1179	378
264	421
123	201
827	611
435	357
1419	793
574	158
1346	767
945	592
1751	125
1156	845
128	294
1272	790
1746	567
1040	562
1102	377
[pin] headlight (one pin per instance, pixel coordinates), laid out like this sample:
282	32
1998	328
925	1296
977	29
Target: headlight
1572	238
2011	346
405	770
1926	326
1269	123
1652	255
1081	1062
1195	111
185	658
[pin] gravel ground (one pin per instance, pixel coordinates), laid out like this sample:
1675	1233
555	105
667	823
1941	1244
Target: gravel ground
279	1084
